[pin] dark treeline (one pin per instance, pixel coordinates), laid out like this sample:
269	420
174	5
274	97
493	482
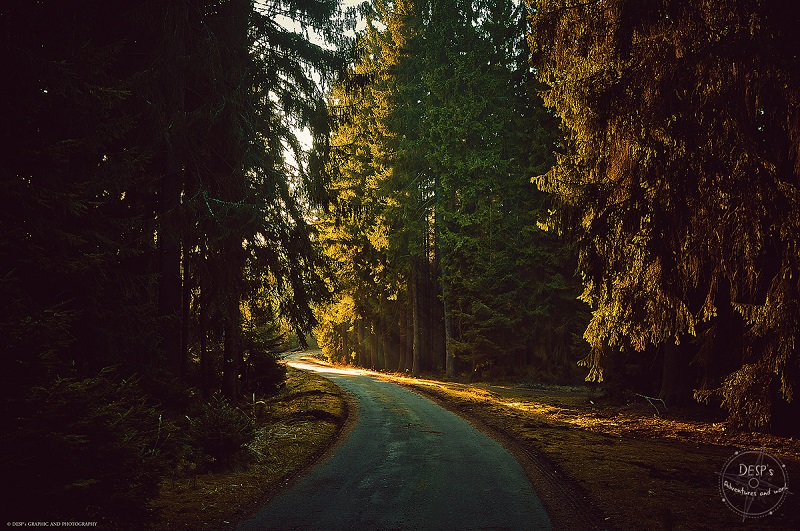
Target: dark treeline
153	245
665	153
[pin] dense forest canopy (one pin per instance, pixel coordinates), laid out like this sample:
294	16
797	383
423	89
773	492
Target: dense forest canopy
672	128
154	244
433	230
165	227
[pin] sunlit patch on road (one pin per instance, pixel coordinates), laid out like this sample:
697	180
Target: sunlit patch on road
307	363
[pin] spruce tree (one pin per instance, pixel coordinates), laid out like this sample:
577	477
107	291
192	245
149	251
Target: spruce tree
677	181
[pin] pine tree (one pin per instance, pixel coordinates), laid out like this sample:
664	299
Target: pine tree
437	156
149	197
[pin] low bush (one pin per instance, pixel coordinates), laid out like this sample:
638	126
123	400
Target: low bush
220	431
264	374
86	449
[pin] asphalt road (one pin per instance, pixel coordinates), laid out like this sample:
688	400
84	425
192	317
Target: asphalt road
407	464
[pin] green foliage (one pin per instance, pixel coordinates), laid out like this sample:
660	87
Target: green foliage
437	221
263	335
86	449
150	171
220	430
148	197
264	374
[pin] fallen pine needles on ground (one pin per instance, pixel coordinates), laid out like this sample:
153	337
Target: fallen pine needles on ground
641	470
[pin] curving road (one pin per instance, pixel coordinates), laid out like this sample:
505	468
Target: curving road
407	464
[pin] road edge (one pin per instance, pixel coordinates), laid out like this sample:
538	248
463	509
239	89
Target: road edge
569	506
349	422
567	503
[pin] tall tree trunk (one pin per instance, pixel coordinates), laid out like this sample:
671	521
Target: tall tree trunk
233	272
373	348
387	356
429	313
170	280
171	187
169	296
185	309
676	388
202	332
405	330
360	357
205	360
232	353
235	19
449	357
416	325
343	328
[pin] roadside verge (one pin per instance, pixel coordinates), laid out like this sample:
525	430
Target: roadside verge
299	426
602	467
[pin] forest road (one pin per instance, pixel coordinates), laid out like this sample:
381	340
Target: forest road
407	464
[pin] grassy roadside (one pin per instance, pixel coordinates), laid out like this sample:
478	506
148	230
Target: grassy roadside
294	429
640	470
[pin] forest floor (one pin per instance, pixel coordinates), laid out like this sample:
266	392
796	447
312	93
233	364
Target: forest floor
295	428
624	466
631	467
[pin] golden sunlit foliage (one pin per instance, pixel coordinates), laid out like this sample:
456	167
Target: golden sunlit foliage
679	179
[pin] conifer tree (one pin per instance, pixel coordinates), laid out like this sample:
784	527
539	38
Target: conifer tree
437	153
149	197
678	182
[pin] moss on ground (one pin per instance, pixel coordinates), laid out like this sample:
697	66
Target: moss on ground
294	428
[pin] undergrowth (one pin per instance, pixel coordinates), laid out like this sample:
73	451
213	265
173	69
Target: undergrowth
289	431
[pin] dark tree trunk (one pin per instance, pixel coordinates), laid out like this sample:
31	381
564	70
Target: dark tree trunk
171	187
202	324
446	322
232	353
373	348
169	299
232	363
345	344
415	321
170	281
429	314
405	331
205	360
676	382
387	355
360	357
185	310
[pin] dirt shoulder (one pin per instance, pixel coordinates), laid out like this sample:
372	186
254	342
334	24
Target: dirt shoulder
296	428
602	467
